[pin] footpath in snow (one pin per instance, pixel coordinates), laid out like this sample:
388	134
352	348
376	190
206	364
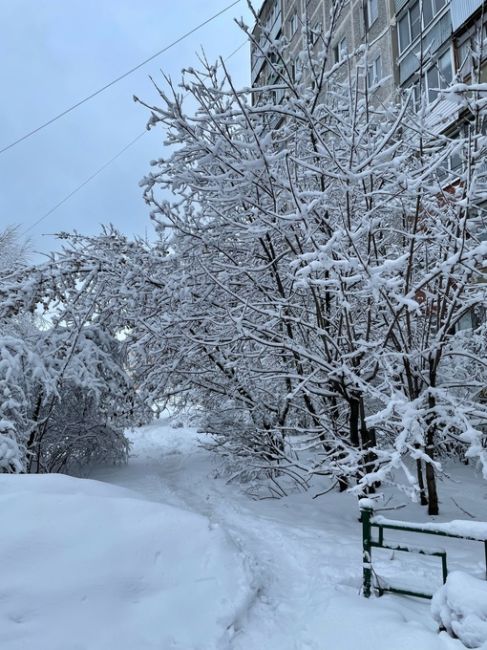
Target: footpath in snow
304	555
161	554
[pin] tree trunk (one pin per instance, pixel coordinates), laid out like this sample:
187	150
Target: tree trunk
361	436
33	440
369	441
433	508
422	493
354	422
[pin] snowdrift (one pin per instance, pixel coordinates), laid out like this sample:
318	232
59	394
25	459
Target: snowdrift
88	566
460	606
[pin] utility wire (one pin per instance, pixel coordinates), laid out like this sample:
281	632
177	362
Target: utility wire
105	165
117	79
237	49
85	182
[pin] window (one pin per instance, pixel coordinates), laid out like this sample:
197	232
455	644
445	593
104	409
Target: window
416	95
466	321
374	71
404	32
292	71
409	26
467	48
439	76
272	16
430	9
455	161
464	57
433	81
293	24
340	50
472	319
438	4
446	69
371	12
277	94
415	21
315	33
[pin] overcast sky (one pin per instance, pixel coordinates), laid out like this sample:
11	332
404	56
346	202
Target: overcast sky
55	52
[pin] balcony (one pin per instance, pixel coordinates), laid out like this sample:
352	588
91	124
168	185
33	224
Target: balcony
461	10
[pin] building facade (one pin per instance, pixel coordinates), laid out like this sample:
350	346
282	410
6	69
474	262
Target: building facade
359	22
415	46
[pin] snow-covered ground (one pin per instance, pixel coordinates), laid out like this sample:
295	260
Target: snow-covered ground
85	566
162	554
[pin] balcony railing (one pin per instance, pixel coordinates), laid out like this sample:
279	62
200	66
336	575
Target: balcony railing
461	10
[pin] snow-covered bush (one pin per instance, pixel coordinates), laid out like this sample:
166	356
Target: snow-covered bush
63	403
11	454
66	395
95	402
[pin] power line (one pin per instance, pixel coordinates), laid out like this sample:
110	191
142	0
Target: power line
117	79
105	165
237	49
85	182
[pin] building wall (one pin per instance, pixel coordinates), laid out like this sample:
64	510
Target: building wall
379	36
469	32
402	66
350	25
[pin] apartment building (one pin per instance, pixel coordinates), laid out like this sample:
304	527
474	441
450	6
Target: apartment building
416	46
365	22
360	22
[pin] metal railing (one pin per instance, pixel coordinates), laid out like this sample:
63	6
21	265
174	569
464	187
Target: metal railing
477	532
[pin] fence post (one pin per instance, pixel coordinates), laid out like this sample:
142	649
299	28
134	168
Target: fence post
366	512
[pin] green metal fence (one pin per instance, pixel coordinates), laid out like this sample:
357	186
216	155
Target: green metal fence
476	531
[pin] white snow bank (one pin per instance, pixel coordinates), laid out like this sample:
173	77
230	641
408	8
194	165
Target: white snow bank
61	484
84	566
460	606
352	623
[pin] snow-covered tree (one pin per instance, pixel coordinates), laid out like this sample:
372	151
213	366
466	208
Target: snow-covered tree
66	393
319	268
317	290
